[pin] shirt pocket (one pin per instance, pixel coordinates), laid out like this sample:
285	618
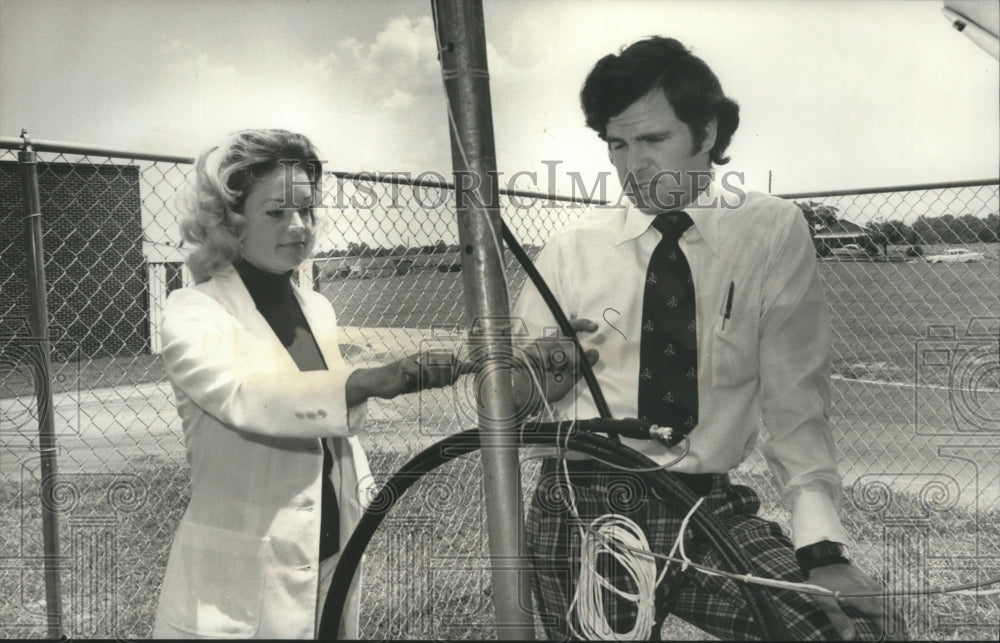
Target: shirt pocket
219	582
735	353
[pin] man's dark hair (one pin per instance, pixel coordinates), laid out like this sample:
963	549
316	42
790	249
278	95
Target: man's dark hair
689	84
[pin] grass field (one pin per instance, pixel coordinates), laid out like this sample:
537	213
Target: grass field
427	568
883	313
426	575
116	530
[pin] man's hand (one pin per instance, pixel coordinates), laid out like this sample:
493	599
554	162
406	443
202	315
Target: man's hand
555	366
849	579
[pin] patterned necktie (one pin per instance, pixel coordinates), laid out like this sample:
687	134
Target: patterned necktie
668	351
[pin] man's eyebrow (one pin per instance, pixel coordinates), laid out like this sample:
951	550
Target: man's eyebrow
641	137
654	134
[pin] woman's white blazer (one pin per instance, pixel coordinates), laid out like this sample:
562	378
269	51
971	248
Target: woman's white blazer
244	561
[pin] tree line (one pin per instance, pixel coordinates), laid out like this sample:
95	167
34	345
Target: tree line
363	250
946	228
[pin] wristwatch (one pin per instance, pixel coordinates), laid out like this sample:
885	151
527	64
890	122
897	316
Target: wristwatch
821	554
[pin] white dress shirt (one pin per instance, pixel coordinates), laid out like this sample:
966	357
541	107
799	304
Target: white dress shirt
766	366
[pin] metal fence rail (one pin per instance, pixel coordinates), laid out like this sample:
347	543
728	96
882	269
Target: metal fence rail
916	369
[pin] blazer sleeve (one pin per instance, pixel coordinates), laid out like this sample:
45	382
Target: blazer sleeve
211	357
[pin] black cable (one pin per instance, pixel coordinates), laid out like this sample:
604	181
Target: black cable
561	319
758	600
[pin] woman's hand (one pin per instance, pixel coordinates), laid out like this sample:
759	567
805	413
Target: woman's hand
408	375
553	365
424	371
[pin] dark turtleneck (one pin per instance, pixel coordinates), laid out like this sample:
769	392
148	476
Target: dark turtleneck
276	302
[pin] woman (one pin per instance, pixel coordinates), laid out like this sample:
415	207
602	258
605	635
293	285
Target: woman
269	408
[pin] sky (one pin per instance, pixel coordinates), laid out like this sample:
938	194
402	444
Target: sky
833	94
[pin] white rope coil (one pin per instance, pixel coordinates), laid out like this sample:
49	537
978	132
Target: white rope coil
603	538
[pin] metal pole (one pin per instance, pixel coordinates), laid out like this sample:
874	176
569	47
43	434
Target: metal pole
35	260
462	46
62	147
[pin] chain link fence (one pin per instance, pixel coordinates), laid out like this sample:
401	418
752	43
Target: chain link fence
121	485
915	302
916	370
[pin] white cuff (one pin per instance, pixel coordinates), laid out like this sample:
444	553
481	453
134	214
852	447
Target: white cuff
815	518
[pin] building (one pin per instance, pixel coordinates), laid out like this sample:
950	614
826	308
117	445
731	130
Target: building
94	265
828	238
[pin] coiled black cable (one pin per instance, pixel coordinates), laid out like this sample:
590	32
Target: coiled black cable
758	600
557	312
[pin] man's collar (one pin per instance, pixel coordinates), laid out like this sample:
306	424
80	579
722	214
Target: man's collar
702	211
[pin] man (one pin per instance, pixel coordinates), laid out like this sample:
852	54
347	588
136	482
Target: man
716	323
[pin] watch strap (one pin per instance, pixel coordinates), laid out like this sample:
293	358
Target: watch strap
820	554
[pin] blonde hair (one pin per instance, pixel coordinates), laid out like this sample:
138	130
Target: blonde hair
224	174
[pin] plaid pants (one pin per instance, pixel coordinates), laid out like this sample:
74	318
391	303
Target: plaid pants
712	603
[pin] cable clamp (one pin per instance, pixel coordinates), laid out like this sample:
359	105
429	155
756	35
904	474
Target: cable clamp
663	434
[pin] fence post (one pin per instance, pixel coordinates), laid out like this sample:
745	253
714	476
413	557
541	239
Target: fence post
462	45
39	315
157	284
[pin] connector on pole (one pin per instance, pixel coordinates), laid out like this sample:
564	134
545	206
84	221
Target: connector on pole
26	145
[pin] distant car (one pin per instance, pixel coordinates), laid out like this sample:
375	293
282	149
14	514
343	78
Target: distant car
849	250
955	255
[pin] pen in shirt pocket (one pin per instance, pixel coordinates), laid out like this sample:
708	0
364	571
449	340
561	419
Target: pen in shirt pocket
729	305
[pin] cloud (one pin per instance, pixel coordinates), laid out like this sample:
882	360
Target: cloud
322	68
406	46
176	46
186	61
397	66
380	100
397	100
